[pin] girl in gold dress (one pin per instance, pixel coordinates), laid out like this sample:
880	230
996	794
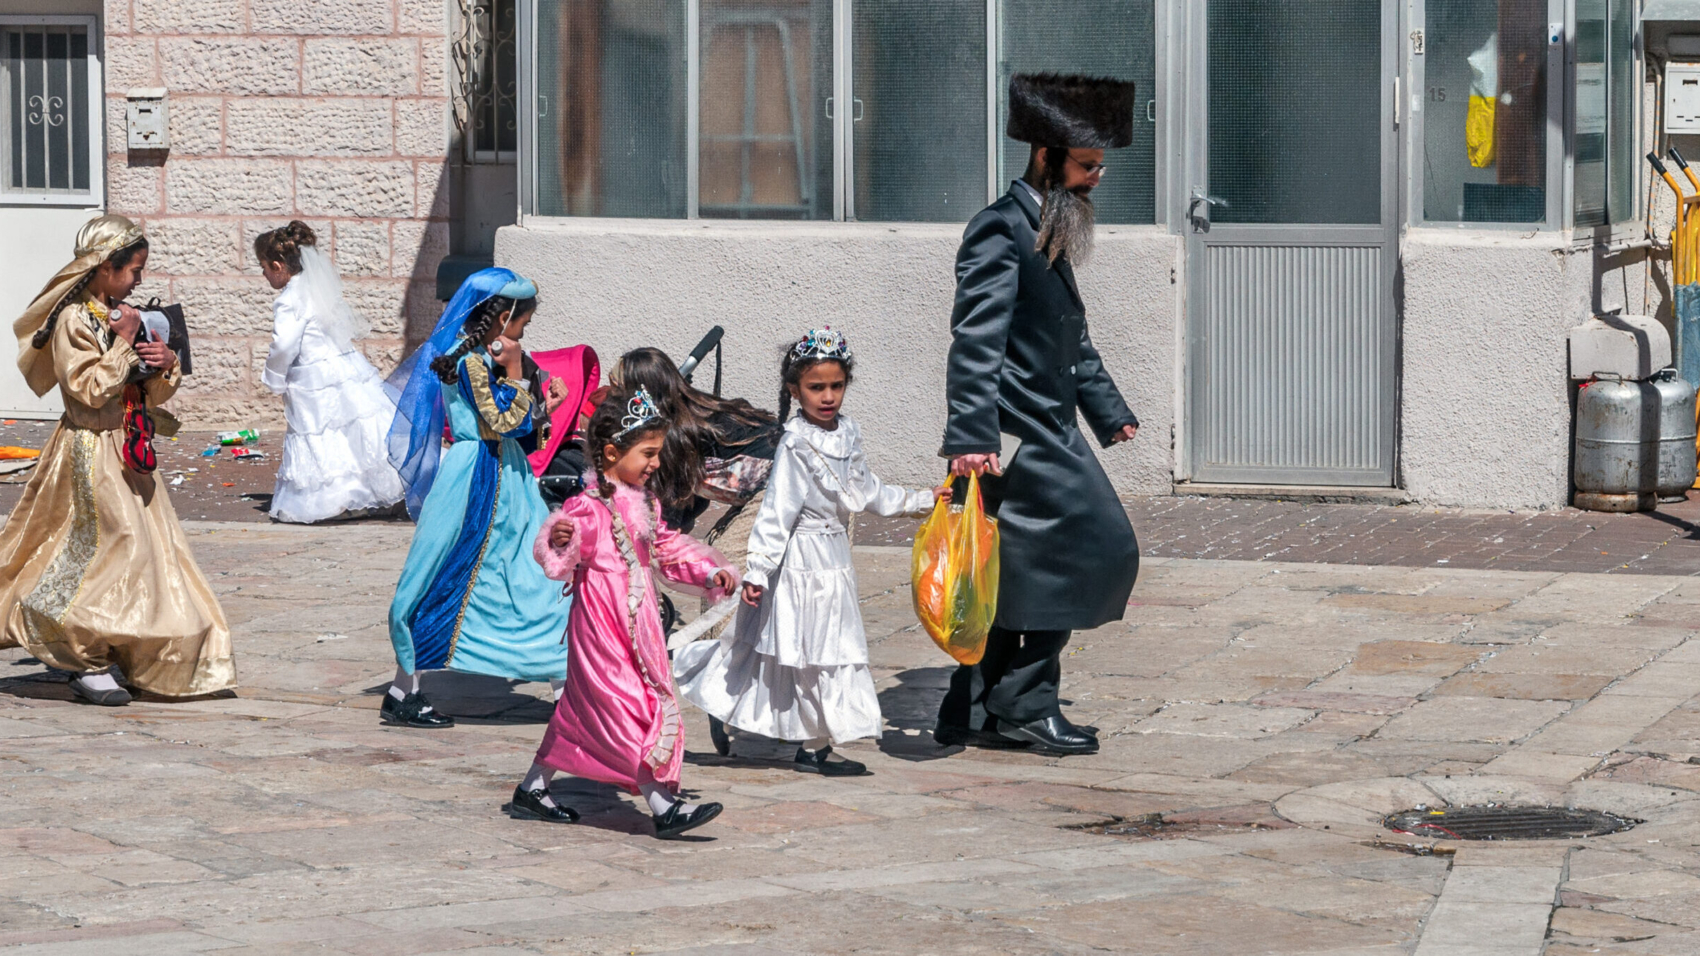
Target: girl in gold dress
94	568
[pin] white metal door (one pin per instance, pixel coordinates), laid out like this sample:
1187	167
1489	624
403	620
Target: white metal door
52	147
1291	212
35	242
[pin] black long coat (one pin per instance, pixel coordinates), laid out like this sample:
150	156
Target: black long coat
1022	363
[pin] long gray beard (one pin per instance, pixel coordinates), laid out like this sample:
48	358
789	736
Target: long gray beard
1066	226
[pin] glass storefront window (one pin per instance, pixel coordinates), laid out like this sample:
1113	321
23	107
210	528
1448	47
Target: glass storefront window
611	108
1485	111
766	139
1607	160
1115	38
920	109
615	133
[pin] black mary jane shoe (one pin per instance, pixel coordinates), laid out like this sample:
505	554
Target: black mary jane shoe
808	761
1050	735
717	734
946	735
529	805
412	711
677	819
116	697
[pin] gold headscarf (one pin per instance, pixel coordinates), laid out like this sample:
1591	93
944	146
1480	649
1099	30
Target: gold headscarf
96	242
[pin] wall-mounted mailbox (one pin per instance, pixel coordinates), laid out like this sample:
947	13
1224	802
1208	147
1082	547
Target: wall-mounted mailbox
148	119
1682	98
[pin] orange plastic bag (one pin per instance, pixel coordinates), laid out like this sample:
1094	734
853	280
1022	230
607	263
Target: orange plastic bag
955	576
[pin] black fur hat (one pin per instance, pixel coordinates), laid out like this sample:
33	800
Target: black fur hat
1076	112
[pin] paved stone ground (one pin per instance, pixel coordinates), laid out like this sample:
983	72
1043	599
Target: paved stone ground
1666	541
1258	720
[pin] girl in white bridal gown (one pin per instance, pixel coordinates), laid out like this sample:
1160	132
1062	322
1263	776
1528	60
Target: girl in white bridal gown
335	458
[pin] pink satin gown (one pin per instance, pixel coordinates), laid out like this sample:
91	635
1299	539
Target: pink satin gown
618	718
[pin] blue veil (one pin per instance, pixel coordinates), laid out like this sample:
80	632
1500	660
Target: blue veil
416	434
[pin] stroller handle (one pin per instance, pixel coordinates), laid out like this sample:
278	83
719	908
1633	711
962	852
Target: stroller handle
705	346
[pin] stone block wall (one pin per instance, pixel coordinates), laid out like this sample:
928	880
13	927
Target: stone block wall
335	112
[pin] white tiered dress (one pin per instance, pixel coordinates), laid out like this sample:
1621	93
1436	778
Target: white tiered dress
335	458
796	667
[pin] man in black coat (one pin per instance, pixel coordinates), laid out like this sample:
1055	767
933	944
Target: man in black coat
1022	372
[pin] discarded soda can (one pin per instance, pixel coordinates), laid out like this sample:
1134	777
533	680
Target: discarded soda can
243	437
246	454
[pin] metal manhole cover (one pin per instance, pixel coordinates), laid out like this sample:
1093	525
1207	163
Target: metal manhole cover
1499	822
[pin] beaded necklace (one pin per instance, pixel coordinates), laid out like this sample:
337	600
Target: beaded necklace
637	578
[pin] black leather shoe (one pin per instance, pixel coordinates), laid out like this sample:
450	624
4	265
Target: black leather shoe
529	805
1051	735
116	697
412	711
677	819
717	733
946	735
1075	728
815	762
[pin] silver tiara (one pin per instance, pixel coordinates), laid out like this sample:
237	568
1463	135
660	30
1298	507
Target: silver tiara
640	411
823	344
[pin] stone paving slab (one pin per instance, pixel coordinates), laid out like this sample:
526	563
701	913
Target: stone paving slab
1259	720
1662	542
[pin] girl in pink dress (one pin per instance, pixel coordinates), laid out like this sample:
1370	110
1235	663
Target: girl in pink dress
618	720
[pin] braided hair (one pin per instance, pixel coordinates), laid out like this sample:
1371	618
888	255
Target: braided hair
117	260
604	430
284	245
477	326
791	369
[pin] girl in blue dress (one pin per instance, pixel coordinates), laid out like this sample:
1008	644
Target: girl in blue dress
471	596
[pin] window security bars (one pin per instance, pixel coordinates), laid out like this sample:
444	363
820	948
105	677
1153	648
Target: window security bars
486	97
44	86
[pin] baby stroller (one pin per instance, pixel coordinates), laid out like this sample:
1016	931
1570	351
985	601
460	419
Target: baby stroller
559	464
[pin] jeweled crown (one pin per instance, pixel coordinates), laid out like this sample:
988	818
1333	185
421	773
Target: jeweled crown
640	411
823	344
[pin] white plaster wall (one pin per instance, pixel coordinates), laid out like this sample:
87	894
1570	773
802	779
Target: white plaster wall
620	284
1486	413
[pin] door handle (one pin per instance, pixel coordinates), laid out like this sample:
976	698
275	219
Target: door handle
1201	219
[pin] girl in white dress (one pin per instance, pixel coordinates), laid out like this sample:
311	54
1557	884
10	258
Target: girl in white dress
794	665
335	453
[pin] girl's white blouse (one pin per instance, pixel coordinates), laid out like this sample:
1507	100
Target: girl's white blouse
800	548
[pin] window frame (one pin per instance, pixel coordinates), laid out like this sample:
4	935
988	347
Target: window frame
1560	78
843	120
95	196
1628	222
1561	131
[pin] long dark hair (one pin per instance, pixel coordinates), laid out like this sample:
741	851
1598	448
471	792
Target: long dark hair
604	430
117	260
478	325
693	416
791	369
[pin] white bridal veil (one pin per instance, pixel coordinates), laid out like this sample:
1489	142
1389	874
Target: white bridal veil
324	293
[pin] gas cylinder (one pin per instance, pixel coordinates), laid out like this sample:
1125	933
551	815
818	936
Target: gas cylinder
1617	445
1676	434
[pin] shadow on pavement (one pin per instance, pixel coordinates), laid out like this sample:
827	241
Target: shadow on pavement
477	699
911	706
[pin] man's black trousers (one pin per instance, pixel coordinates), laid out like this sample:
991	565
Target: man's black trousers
1017	681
